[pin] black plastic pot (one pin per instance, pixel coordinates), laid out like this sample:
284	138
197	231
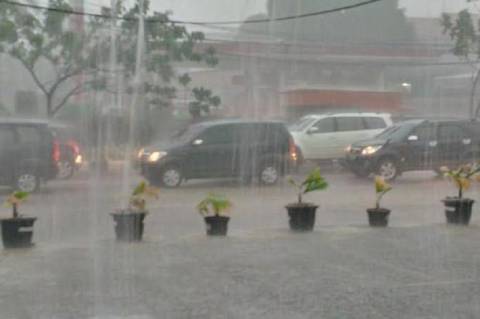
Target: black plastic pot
301	216
17	232
217	225
458	211
129	225
378	217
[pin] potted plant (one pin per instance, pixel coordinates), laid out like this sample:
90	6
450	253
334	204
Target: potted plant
214	208
302	215
17	231
378	216
458	209
129	221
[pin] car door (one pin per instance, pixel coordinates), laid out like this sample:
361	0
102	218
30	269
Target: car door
8	152
422	147
454	144
211	153
350	129
319	141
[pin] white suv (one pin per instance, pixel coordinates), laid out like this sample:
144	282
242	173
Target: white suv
325	136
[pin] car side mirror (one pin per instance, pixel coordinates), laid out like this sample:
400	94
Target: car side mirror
312	130
197	142
412	138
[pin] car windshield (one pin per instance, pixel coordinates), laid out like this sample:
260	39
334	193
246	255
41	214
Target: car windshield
396	132
301	124
186	135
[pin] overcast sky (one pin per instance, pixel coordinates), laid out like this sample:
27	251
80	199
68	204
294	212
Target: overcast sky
214	10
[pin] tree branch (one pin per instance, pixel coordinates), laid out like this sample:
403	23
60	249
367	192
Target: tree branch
76	90
35	78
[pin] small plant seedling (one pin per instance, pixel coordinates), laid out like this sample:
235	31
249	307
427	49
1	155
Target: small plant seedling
381	188
139	196
462	176
313	182
15	199
214	205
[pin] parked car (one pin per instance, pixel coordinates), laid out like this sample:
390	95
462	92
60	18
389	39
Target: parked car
415	145
325	136
28	154
71	158
224	148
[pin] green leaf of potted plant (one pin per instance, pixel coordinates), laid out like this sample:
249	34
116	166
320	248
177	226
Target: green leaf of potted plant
17	231
378	216
458	209
302	215
214	209
129	221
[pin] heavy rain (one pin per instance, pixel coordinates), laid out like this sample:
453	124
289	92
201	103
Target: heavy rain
239	159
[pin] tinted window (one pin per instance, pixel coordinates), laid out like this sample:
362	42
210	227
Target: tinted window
222	134
425	133
349	124
374	123
451	133
325	125
301	124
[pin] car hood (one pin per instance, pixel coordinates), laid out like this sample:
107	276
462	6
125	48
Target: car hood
369	142
164	146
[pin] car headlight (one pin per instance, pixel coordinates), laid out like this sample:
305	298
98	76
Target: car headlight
140	153
155	156
369	150
348	149
78	159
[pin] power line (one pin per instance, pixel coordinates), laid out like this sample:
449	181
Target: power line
200	23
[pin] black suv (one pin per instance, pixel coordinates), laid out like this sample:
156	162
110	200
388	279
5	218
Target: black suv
28	154
225	148
416	145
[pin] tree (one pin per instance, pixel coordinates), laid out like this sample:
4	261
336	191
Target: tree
166	44
34	38
466	38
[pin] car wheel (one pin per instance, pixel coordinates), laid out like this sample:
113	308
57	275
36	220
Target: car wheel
171	177
27	182
65	169
269	174
387	168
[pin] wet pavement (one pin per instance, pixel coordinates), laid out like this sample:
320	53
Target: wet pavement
416	268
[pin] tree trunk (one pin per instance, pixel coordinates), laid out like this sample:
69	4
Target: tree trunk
49	101
473	112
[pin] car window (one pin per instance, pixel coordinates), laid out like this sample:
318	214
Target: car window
374	123
451	133
345	124
7	137
301	124
325	125
425	133
222	134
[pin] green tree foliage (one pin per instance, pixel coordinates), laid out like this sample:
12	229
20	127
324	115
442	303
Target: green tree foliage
32	37
204	99
465	34
166	44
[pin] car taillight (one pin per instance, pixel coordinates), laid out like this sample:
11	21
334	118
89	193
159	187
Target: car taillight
292	149
56	151
74	145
